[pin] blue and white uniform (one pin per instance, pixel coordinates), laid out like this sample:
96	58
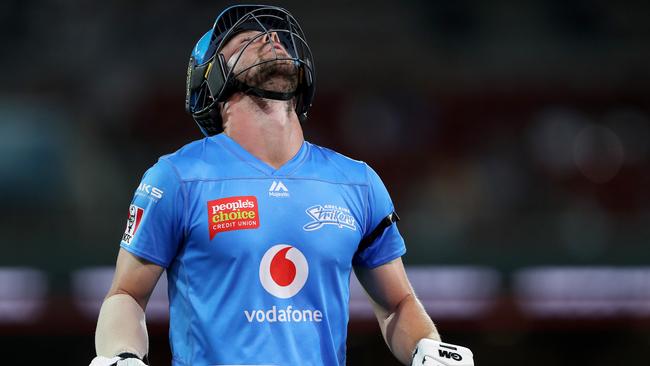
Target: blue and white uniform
259	259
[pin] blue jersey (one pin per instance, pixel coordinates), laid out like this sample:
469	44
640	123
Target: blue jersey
259	259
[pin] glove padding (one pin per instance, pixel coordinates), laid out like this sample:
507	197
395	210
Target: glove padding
433	353
116	361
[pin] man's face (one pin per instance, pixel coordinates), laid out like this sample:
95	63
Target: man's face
278	76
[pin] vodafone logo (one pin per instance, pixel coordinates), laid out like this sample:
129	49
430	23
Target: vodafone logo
283	271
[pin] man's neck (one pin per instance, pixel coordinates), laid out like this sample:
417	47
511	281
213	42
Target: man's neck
268	129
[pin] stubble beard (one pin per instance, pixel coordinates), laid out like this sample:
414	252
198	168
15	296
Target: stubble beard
281	76
274	75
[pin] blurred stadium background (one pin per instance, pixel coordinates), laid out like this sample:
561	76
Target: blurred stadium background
513	135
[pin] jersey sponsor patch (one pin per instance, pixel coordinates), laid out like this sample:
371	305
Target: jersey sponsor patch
322	215
149	191
132	223
232	213
283	271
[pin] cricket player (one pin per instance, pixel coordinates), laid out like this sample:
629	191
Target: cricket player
258	229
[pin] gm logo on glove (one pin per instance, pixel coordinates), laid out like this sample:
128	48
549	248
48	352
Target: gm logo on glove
434	353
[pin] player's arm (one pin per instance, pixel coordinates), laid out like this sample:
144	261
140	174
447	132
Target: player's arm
121	325
407	329
402	319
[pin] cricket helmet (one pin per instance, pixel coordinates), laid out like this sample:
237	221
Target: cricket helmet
210	80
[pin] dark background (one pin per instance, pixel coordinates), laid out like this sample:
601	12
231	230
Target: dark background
512	135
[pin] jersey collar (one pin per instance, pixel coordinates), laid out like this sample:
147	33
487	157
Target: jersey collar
242	154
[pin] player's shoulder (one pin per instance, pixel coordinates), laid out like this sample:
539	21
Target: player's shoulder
352	170
187	152
192	158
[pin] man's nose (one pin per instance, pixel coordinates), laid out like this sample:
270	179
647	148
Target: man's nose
271	37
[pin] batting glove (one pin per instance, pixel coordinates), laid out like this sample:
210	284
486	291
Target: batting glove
433	353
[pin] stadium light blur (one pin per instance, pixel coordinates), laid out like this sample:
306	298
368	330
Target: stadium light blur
22	294
454	292
585	292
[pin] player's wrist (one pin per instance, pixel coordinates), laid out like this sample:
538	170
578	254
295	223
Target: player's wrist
430	352
122	359
126	355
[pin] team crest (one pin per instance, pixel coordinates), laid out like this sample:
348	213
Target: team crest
322	215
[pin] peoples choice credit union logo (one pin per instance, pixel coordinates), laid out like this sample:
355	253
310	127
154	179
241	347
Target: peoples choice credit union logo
283	271
232	213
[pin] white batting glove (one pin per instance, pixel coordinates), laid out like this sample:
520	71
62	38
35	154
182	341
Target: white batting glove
116	361
433	353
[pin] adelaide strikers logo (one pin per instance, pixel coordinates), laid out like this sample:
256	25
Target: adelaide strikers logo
283	271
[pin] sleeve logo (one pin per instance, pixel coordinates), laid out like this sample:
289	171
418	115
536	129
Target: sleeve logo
149	191
132	223
232	213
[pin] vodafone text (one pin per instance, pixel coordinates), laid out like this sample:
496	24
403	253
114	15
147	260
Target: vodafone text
287	315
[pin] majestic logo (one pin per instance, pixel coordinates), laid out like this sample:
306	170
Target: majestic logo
232	213
132	223
154	193
278	189
329	215
283	271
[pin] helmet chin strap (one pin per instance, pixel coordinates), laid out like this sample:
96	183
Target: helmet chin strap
238	86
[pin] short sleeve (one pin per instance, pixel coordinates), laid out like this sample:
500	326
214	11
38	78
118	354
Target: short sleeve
154	228
389	244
